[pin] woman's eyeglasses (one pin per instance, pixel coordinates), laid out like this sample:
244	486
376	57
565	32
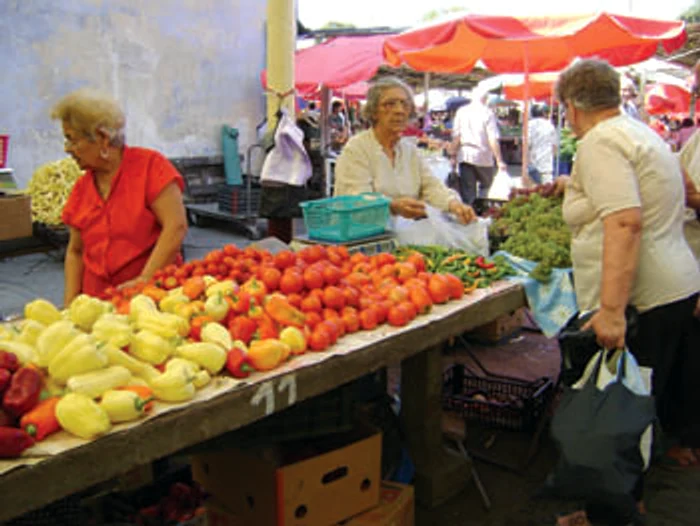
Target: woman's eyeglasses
395	103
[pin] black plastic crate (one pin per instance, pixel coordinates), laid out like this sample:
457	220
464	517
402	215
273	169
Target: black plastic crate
234	199
202	177
510	404
54	235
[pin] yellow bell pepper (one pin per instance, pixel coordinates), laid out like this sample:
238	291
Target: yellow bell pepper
216	333
42	311
208	355
216	307
137	367
8	332
140	382
171	302
82	416
209	280
173	386
54	338
225	288
201	379
85	310
94	383
123	406
174	292
150	347
113	329
267	354
140	304
30	332
163	324
187	367
80	356
24	352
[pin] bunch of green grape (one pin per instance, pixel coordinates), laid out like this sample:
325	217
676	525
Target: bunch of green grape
533	228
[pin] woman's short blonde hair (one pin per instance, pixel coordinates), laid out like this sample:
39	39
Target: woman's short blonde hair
88	111
374	94
590	85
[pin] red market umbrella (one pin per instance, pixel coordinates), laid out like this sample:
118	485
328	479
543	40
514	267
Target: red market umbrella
541	86
667	98
338	63
506	44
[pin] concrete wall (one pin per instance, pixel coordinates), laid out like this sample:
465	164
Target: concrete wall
180	69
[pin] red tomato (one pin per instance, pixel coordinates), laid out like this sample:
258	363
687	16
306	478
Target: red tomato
397	316
421	299
455	285
285	259
351	321
294	300
321	338
368	319
405	271
336	327
271	276
418	261
313	253
215	256
231	250
409	309
313	278
396	294
291	282
311	304
333	298
352	296
330	314
439	288
332	274
313	318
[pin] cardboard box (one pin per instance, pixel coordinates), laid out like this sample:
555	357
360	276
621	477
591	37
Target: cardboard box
15	216
396	508
312	483
500	328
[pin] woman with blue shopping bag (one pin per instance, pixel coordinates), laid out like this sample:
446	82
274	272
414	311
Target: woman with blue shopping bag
624	205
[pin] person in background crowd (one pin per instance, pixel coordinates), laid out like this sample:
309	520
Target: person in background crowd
690	163
338	125
475	139
126	215
686	130
629	98
542	146
379	160
624	205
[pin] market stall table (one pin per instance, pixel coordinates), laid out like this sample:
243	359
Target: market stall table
30	483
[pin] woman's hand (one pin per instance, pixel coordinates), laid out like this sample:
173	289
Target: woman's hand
560	184
609	327
140	280
464	213
408	207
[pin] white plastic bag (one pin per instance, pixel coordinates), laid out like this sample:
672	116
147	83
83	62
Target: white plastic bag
501	186
440	228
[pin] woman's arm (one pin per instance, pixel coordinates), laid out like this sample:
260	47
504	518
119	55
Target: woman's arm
622	233
73	267
170	212
692	196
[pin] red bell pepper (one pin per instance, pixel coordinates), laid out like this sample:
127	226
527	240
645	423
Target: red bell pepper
6	420
41	421
5	378
24	391
242	328
9	361
237	363
482	263
13	441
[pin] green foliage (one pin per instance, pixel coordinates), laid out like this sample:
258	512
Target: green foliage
534	229
692	14
567	145
437	13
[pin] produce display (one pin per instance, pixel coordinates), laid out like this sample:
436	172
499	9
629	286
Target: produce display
530	225
50	187
475	271
103	361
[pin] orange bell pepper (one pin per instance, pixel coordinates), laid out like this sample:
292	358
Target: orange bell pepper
41	421
280	310
255	288
267	354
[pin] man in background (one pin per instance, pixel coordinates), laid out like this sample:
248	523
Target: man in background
476	141
542	145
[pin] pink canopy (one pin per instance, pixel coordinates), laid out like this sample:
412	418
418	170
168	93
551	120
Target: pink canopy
667	98
343	64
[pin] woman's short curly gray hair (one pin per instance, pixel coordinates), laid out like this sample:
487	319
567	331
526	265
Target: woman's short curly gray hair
374	94
88	112
590	85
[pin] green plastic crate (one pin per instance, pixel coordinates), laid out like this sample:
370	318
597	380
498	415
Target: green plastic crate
347	217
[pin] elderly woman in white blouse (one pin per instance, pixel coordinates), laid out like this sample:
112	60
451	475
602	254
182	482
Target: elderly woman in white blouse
379	160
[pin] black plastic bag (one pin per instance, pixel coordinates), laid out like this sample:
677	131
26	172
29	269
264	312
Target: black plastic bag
577	347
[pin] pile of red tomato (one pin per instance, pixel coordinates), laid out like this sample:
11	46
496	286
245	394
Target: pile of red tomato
337	292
